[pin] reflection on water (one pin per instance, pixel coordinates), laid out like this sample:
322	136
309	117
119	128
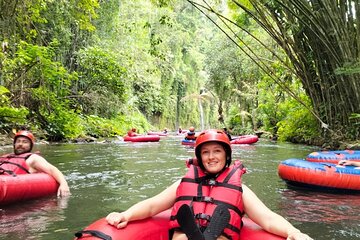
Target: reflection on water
24	220
328	216
323	207
110	177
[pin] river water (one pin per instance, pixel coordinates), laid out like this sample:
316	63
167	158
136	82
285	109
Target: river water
106	177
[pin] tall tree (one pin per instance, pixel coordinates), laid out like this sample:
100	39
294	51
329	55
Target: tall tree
321	40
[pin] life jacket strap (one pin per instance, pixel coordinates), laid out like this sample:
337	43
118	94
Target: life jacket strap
16	164
2	171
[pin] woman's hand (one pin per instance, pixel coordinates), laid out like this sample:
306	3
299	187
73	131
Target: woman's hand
118	220
298	236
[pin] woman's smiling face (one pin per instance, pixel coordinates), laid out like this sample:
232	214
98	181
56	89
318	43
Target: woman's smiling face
213	157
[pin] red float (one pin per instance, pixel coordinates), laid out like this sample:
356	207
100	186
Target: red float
26	186
333	156
320	176
157	228
142	138
245	139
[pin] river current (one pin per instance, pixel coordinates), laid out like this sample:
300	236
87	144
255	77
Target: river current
106	177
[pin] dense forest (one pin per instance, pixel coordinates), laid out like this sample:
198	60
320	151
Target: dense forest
77	68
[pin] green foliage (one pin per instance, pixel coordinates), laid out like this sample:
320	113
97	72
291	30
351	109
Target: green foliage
3	98
54	115
137	120
148	97
100	127
348	69
299	126
63	124
162	3
99	68
355	116
42	86
240	122
10	117
328	73
32	66
84	11
100	77
118	126
269	110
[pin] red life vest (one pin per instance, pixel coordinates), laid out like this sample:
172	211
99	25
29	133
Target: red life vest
190	136
131	133
14	164
203	193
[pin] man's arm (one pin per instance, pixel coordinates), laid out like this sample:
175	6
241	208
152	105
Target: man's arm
37	163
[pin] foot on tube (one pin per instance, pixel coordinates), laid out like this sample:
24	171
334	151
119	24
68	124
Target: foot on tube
185	218
218	222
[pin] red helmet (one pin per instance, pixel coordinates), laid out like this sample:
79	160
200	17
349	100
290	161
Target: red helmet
213	135
27	134
191	129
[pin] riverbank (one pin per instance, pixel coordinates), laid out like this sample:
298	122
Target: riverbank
355	145
6	140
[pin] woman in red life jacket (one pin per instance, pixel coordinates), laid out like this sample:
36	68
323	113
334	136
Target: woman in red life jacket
209	201
22	161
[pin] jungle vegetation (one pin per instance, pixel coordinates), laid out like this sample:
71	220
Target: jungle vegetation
76	68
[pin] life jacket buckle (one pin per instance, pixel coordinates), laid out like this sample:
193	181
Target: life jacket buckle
212	182
208	199
202	216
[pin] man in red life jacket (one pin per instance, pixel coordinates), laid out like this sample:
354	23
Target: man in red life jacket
22	161
190	135
132	132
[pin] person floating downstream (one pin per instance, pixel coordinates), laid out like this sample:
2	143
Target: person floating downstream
22	161
132	132
208	203
190	135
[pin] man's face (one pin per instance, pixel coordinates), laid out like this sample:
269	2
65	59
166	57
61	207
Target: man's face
22	145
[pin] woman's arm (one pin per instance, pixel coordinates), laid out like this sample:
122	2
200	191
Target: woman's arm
146	208
269	220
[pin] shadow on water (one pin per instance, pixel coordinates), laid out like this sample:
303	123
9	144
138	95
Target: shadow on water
112	176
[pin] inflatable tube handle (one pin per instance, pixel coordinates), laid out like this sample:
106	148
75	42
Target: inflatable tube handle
94	233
